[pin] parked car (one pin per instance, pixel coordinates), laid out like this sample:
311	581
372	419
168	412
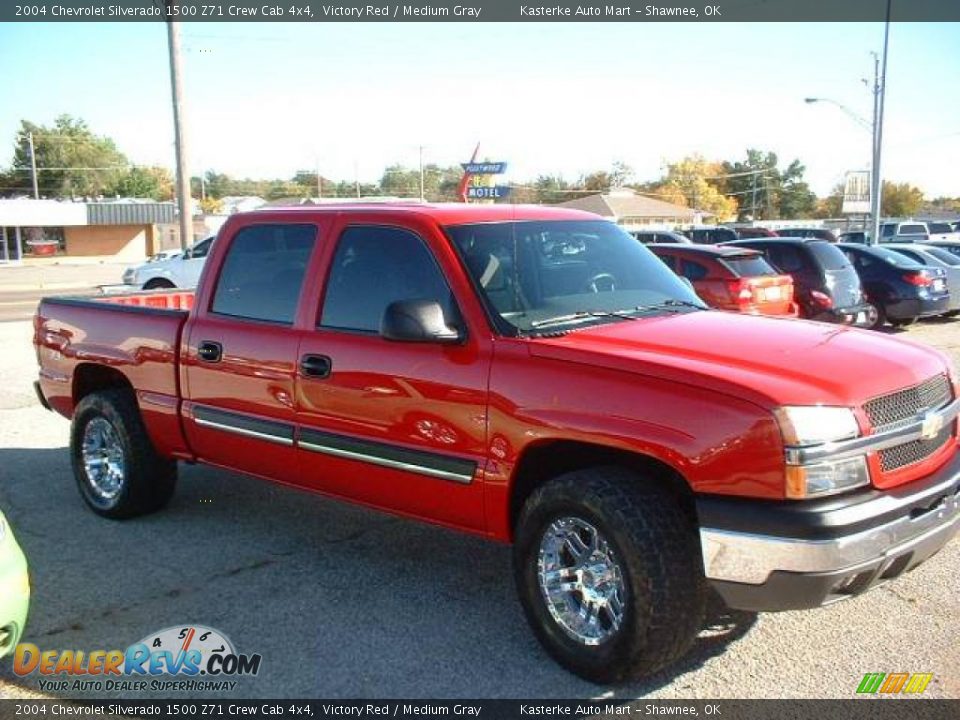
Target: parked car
657	237
14	589
710	235
180	271
165	255
730	278
754	232
904	232
808	232
531	375
859	237
951	247
825	285
938	258
900	288
942	232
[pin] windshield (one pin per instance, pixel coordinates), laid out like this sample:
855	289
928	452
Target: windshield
566	274
894	258
943	256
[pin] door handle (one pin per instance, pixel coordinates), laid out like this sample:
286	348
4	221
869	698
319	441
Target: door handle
318	366
210	351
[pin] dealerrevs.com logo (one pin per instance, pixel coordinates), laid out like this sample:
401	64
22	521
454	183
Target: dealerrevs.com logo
184	657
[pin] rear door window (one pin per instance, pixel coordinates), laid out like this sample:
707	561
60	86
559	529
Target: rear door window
829	257
263	272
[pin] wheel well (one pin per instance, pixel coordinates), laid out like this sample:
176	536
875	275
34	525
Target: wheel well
89	377
548	460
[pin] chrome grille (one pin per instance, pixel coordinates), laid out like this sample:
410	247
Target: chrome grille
908	405
914	451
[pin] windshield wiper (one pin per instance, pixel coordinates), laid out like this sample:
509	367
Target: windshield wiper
670	304
583	315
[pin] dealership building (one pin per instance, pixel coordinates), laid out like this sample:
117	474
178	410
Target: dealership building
637	212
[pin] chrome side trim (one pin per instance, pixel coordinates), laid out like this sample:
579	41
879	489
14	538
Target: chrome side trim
243	431
385	462
748	558
869	443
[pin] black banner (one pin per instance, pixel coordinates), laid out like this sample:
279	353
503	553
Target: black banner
854	709
478	11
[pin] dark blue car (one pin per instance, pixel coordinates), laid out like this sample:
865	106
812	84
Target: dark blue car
901	289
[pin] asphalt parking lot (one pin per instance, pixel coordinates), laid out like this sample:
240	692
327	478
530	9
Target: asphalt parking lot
348	603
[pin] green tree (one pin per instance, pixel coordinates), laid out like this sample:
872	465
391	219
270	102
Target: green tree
155	183
795	198
900	200
71	160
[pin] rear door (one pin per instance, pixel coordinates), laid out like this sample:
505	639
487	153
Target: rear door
240	356
842	282
397	425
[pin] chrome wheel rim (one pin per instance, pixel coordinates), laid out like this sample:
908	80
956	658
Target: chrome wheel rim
103	460
581	581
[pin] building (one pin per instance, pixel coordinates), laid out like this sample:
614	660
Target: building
231	204
634	212
126	230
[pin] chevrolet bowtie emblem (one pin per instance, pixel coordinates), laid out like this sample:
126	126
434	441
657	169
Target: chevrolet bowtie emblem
932	424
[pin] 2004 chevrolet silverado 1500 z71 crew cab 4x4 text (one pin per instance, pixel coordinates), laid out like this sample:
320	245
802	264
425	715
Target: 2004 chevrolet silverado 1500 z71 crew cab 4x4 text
536	376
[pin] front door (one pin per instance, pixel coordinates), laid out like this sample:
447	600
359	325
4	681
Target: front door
397	425
239	366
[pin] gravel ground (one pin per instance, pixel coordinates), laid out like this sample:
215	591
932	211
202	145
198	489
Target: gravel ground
342	602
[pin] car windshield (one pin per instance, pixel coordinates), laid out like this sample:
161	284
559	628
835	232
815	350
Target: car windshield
749	265
565	274
894	258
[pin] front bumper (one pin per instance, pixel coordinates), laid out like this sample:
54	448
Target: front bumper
767	555
858	315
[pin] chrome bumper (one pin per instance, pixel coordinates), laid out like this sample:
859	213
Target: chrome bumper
776	572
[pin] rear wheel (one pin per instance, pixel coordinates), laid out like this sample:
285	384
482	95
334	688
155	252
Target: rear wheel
879	319
158	284
118	471
608	569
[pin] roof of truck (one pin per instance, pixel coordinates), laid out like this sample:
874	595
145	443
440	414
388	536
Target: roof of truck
443	213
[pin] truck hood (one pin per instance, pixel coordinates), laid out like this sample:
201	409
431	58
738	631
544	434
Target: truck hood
770	361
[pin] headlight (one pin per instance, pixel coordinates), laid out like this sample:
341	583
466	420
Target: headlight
813	425
129	275
829	478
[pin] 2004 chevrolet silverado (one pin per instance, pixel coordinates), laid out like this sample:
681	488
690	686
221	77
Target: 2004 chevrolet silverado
535	376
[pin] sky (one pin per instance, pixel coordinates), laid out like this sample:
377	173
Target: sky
268	99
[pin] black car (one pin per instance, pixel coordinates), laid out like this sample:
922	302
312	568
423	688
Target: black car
826	287
860	237
949	245
901	289
710	235
660	237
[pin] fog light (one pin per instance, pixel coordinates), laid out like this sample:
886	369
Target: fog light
808	481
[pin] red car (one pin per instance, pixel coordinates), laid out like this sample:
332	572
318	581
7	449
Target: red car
731	278
534	376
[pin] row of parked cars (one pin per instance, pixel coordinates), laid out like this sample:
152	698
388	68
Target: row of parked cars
864	285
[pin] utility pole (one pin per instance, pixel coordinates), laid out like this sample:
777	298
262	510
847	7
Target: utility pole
180	137
33	166
879	96
753	204
356	176
421	173
319	181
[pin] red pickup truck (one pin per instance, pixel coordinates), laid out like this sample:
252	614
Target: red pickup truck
535	376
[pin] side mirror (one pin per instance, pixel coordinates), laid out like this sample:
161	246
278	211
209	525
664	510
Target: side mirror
187	254
417	321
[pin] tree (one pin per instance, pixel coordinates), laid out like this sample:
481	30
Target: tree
686	183
146	182
900	200
796	199
71	160
832	205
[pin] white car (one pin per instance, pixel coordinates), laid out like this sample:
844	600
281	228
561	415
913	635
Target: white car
942	232
180	271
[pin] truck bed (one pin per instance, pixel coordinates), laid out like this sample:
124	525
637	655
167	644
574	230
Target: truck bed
91	339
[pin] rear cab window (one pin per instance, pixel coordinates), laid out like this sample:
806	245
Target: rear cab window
748	265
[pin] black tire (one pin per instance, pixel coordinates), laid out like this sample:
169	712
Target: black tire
903	322
951	314
148	480
654	536
881	318
158	284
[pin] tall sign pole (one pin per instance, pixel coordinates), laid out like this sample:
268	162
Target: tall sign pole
876	194
180	139
33	166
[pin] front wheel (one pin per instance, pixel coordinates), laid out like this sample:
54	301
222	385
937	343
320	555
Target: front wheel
118	471
608	568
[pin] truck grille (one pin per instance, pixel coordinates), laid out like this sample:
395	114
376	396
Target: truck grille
906	406
914	451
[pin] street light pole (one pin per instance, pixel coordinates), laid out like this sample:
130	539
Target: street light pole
880	94
33	166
